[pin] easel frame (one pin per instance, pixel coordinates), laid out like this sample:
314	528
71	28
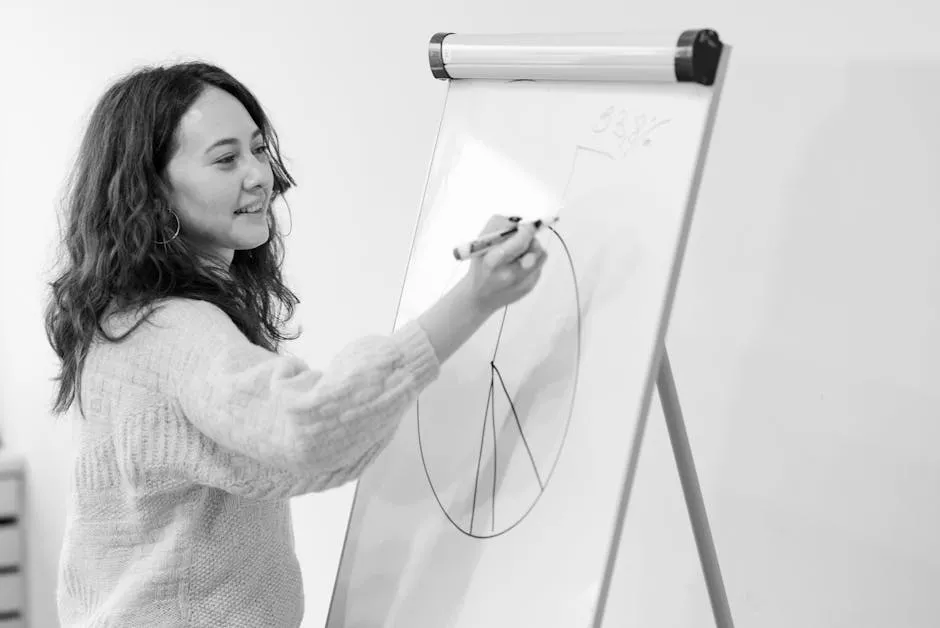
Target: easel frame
692	493
669	400
692	490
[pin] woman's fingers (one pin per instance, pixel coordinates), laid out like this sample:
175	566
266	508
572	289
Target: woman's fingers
510	250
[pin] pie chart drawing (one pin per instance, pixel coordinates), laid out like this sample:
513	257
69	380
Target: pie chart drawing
492	428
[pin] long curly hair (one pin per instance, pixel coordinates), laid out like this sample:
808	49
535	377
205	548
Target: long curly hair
118	245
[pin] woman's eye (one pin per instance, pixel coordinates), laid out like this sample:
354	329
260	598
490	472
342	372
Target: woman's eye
231	158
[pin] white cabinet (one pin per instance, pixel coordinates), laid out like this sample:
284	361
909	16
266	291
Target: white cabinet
12	544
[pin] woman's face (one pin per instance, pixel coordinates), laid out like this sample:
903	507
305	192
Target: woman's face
220	177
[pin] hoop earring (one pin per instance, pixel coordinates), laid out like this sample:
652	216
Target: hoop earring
176	233
290	215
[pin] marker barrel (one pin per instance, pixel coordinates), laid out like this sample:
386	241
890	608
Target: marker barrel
482	244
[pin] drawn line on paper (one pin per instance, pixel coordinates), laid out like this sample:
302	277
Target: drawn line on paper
489	423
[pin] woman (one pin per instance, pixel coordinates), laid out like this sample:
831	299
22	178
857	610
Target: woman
193	431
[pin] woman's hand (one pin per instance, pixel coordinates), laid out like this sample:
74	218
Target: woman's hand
508	271
500	277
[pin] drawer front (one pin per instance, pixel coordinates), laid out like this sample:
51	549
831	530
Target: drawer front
9	495
11	592
10	545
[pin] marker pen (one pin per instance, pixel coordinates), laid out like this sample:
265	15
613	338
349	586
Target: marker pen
487	241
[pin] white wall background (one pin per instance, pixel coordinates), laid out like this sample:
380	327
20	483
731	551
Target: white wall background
804	339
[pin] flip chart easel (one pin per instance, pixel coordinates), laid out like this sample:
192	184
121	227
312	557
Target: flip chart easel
638	114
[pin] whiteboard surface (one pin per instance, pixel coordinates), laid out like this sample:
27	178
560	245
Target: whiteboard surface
436	537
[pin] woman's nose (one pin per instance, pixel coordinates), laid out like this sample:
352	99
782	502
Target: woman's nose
259	174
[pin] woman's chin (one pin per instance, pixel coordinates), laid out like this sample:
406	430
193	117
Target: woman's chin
252	237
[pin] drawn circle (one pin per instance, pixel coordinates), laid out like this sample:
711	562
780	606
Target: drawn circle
492	427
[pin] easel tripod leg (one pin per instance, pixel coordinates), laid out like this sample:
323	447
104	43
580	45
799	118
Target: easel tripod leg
693	493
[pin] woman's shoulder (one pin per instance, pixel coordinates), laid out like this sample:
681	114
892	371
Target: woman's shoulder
193	318
170	316
183	311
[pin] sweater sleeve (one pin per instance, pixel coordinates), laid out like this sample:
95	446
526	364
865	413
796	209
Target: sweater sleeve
282	413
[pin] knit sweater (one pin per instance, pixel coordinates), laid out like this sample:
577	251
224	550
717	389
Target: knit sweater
193	441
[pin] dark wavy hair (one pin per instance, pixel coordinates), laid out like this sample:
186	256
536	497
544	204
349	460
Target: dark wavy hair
116	209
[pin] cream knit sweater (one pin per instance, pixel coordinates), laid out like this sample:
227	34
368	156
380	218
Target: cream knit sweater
193	441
